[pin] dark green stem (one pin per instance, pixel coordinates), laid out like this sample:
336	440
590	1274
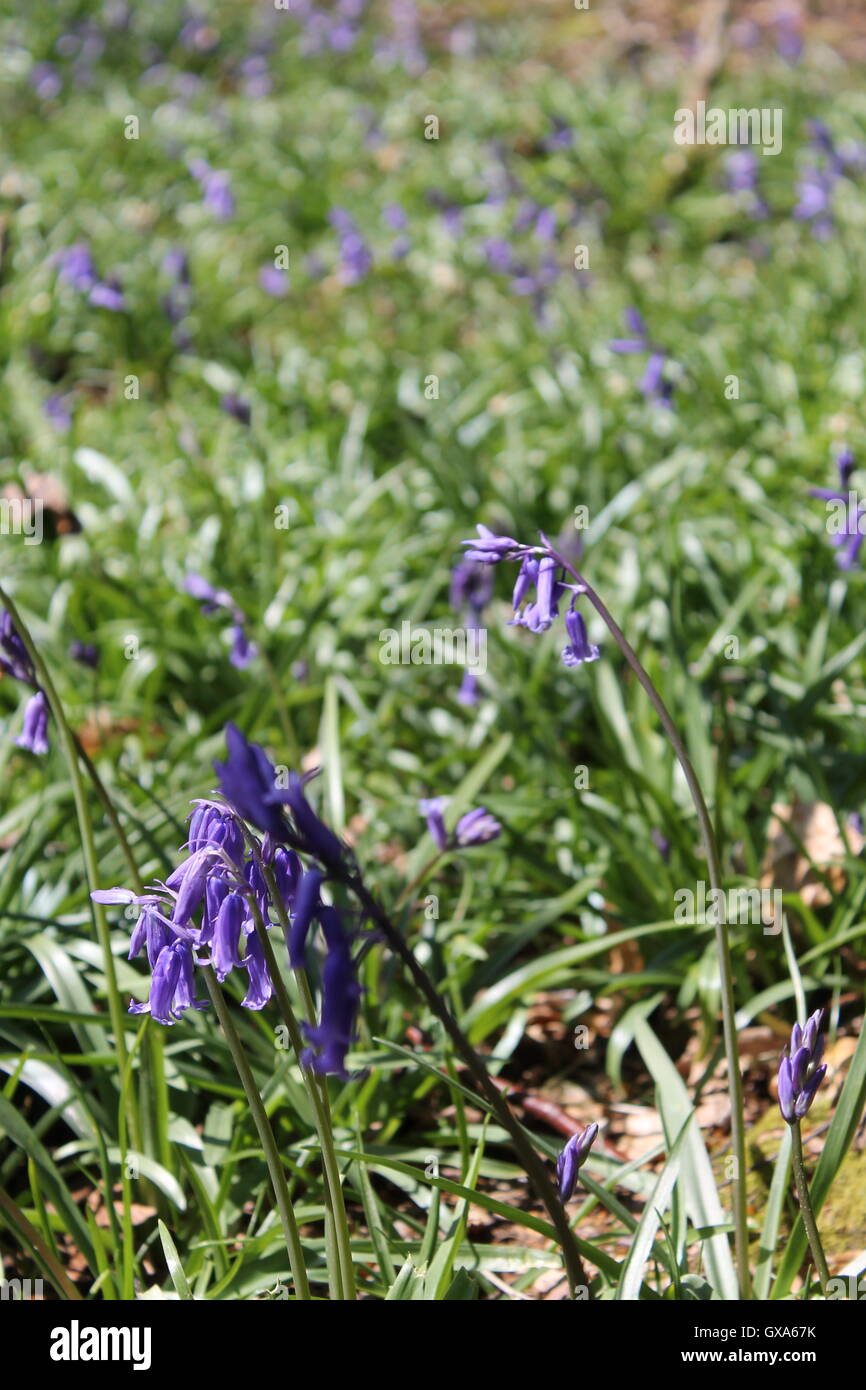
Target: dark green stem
806	1209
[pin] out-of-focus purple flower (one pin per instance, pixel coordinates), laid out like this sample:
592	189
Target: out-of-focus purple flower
355	257
394	217
471	585
237	407
579	648
432	809
545	225
661	842
570	1160
332	1037
46	81
274	281
248	781
212	600
849	537
741	172
14	657
316	838
306	906
108	294
562	136
85	653
654	384
789	38
34	734
476	827
243	651
215	187
55	409
801	1070
497	253
75	266
846	463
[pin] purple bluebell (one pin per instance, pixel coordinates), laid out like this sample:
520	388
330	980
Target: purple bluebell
75	266
108	294
15	662
741	171
316	838
476	827
489	548
355	257
248	781
800	1069
306	906
85	653
212	600
215	187
579	647
46	81
171	986
226	936
573	1156
332	1037
260	987
237	407
849	538
55	409
274	281
34	734
654	384
562	136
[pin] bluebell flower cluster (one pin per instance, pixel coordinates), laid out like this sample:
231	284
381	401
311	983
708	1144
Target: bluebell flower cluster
539	590
206	911
801	1070
15	662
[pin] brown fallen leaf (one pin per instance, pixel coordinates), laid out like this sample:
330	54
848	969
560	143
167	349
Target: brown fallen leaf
815	827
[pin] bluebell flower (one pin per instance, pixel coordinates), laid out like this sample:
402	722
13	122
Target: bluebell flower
248	781
332	1037
306	906
243	650
579	648
34	734
801	1070
476	827
274	281
570	1160
489	549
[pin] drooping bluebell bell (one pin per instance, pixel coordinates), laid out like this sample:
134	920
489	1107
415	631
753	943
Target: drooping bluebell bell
801	1070
306	905
570	1160
579	648
489	548
34	734
332	1037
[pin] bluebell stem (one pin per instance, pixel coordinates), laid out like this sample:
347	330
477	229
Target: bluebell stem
569	1162
801	1070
